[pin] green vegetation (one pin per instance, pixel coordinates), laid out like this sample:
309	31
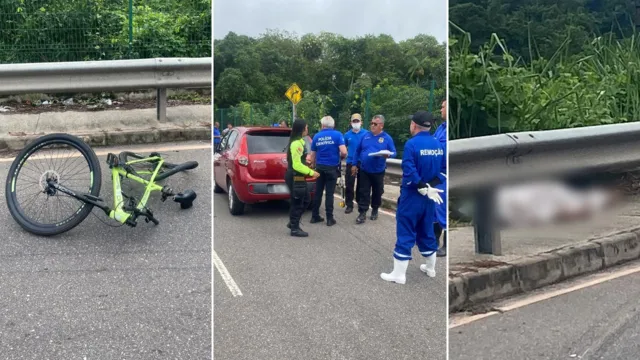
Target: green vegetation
338	76
542	65
82	30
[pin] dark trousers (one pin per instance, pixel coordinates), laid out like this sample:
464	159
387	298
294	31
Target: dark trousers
350	182
371	190
439	231
325	183
299	199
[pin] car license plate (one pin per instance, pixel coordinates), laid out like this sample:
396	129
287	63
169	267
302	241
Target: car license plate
280	189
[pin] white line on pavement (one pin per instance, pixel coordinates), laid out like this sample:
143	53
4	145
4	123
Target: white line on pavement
233	287
100	152
518	302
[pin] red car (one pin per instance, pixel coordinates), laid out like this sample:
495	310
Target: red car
250	163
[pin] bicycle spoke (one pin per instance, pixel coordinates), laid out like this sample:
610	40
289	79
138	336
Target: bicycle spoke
51	163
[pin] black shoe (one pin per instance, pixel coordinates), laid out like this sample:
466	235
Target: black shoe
374	214
331	221
361	218
442	252
299	233
316	219
348	210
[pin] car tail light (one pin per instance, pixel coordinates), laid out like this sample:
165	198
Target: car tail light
243	153
251	188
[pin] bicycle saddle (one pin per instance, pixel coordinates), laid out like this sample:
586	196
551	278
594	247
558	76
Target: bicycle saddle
185	198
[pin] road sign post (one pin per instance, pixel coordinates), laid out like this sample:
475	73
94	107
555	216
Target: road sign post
294	94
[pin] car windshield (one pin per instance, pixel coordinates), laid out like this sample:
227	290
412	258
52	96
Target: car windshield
267	142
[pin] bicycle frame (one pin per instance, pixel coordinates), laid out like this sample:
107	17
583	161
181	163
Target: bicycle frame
118	212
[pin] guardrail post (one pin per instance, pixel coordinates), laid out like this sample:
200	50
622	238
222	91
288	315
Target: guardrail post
487	233
161	104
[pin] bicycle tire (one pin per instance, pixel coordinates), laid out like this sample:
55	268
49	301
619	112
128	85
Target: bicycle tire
14	172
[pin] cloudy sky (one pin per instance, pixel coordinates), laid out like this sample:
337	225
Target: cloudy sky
402	19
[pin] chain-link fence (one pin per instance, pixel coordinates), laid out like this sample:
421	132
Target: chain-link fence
395	103
82	30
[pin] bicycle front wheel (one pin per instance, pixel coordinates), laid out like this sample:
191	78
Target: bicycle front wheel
56	158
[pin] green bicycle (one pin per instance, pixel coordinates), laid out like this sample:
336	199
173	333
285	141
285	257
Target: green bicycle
71	185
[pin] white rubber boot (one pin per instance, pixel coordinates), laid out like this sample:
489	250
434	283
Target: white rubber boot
398	275
429	266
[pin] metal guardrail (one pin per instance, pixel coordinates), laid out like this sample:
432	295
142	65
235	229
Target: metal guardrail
116	75
479	165
394	167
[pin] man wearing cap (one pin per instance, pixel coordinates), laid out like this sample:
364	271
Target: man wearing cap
421	165
440	222
371	167
352	139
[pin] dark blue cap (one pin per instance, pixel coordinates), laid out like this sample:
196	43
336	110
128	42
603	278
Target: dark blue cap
422	118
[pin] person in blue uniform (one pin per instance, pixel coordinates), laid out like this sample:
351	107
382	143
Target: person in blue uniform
371	169
421	165
352	139
327	149
440	223
216	134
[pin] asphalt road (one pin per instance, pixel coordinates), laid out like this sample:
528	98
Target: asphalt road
100	292
597	322
320	297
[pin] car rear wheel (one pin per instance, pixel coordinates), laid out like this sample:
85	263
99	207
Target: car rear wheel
236	207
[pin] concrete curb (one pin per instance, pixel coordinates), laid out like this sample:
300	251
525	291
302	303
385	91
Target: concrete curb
10	143
390	204
469	289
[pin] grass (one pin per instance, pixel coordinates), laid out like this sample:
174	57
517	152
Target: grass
491	91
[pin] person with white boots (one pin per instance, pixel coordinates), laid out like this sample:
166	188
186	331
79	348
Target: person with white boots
421	164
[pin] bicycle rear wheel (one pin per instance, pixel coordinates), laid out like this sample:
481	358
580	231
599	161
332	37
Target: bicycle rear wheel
37	207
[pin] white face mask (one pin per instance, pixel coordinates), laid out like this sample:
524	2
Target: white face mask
356	126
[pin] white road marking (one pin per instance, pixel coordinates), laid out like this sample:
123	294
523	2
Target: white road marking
459	320
224	273
131	148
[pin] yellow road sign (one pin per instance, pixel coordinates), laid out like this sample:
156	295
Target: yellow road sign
294	93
